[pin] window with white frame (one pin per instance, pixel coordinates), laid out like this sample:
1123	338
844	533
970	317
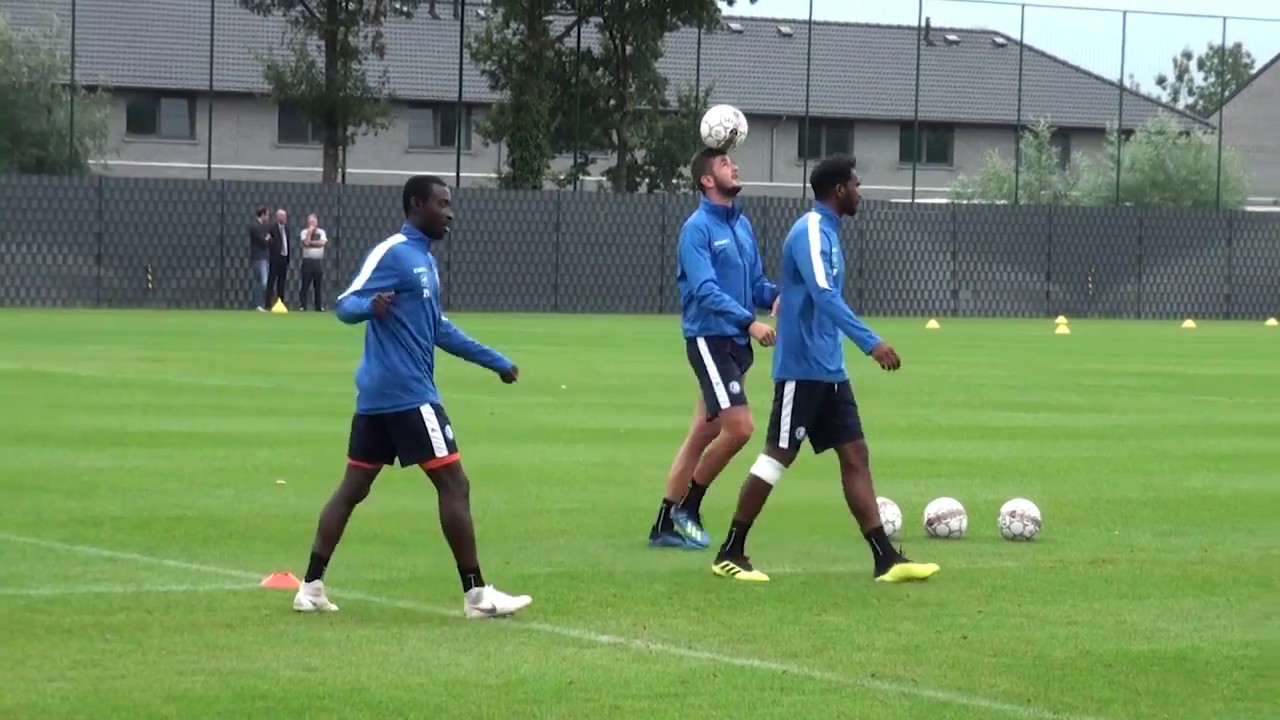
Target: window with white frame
434	126
823	138
293	127
167	116
936	145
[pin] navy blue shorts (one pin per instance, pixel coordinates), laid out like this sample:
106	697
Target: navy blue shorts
417	436
720	364
824	413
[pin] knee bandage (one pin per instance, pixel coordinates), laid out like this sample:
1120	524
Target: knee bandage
768	469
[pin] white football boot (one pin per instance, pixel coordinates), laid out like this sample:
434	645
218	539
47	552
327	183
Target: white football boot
490	602
312	598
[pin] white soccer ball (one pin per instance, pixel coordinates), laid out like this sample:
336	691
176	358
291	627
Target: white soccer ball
945	518
724	127
1019	519
890	516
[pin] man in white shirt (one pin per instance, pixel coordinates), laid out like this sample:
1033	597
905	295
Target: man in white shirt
314	241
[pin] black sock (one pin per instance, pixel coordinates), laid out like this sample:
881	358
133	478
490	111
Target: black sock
693	497
316	566
663	523
471	578
735	543
882	551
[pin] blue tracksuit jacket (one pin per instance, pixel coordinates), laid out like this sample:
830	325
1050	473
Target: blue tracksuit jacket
719	273
812	314
397	369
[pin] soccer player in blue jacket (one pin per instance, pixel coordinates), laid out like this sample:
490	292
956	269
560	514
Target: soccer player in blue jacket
398	414
722	284
813	398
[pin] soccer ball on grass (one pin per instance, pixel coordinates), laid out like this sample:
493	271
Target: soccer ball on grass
890	516
945	518
723	127
1019	519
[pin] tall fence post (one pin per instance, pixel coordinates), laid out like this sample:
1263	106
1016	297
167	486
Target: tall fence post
337	246
458	116
915	122
223	294
73	90
98	220
1017	130
1142	258
1222	111
559	231
662	252
808	85
208	163
1229	303
1124	42
577	101
1048	263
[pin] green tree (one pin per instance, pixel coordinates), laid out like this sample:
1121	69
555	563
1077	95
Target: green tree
37	135
1200	82
1165	165
609	100
628	89
1041	180
1161	165
519	55
333	89
669	140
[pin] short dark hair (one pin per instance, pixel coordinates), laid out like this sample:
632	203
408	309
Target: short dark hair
701	164
419	186
260	212
831	173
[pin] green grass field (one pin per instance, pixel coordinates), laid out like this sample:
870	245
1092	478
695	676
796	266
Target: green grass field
141	456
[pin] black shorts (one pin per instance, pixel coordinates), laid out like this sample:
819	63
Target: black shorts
824	413
418	436
719	364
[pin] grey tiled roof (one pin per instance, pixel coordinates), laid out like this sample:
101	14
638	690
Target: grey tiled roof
859	71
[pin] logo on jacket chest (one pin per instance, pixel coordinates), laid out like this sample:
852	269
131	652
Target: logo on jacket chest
425	276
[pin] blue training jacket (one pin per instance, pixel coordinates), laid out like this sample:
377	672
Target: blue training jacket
719	273
812	314
397	369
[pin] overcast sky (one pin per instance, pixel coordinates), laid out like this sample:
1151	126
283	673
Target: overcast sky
1087	37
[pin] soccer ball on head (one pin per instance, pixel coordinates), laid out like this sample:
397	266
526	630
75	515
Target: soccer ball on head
724	127
945	518
890	516
1019	519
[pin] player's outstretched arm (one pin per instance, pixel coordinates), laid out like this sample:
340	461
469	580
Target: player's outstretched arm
813	257
695	260
378	275
452	340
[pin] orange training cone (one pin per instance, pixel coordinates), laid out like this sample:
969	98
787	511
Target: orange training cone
281	581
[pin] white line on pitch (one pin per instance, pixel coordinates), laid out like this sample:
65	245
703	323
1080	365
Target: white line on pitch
131	377
883	686
120	590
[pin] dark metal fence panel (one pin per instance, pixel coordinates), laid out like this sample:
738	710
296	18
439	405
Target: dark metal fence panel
115	242
1094	262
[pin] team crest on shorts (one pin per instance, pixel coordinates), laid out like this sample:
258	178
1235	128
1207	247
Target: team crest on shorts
800	433
735	388
448	431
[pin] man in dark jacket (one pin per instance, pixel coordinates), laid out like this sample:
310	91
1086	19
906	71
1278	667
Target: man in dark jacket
259	256
278	275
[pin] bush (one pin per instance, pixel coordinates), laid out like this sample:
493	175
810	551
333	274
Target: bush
36	132
1161	165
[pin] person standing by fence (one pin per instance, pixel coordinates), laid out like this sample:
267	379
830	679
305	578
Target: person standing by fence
314	241
259	257
279	268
